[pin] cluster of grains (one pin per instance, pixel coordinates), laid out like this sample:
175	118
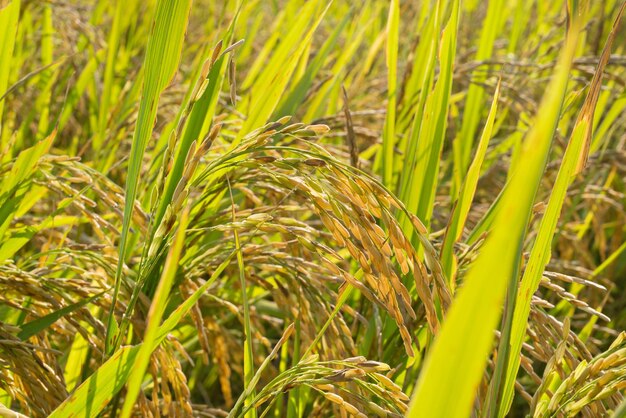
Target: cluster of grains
221	357
30	374
72	181
548	282
548	335
593	388
355	211
353	387
554	344
181	192
217	346
50	289
169	394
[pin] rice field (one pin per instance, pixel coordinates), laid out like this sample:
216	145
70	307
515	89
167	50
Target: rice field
312	208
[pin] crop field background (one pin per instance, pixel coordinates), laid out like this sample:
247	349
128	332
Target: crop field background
312	208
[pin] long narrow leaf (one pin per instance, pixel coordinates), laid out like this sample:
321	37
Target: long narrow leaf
157	308
267	90
33	327
420	191
462	207
8	28
389	131
162	56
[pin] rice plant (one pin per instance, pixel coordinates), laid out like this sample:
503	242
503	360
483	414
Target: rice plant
312	208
